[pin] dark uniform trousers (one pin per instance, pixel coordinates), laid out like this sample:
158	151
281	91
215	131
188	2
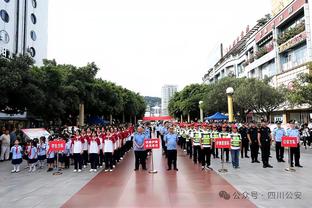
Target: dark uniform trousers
172	158
227	154
279	151
94	160
182	142
245	147
295	152
140	158
189	148
108	160
254	149
265	152
197	153
206	156
215	151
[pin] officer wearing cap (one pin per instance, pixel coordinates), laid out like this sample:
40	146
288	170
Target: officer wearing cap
265	141
171	140
278	133
243	130
294	151
214	135
253	141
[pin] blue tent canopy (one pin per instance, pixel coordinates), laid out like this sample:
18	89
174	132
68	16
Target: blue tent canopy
217	116
97	121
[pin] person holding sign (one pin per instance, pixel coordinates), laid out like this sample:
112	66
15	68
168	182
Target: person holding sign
294	151
214	135
139	151
225	134
205	143
171	140
236	145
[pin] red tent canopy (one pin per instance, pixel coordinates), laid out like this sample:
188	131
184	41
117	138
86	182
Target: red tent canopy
157	118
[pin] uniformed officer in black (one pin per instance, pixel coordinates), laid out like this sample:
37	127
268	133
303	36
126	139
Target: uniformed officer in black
253	141
265	141
245	142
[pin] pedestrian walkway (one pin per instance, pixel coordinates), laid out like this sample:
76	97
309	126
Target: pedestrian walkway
189	187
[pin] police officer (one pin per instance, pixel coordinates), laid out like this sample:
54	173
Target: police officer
214	135
253	141
245	142
294	151
163	132
225	134
196	146
189	136
171	140
205	143
278	133
265	141
139	151
183	137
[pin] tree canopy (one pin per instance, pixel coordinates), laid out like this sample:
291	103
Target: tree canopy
54	91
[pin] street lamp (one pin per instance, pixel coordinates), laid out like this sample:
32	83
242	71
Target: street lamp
201	111
230	92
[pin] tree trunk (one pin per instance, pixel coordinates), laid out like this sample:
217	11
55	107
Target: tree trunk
111	119
81	114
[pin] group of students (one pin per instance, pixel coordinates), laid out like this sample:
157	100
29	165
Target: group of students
99	147
198	141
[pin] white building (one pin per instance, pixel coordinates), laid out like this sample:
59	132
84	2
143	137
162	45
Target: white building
167	92
23	28
279	49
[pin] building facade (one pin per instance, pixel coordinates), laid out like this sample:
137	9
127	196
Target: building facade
280	49
167	93
279	5
23	28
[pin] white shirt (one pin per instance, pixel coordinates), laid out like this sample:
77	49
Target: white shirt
94	147
5	139
108	145
77	147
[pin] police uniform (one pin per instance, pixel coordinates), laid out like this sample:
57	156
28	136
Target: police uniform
278	133
139	151
254	144
245	142
183	138
171	140
225	134
206	149
214	135
294	151
265	142
189	136
196	146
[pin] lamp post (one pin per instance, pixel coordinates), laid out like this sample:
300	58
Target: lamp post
230	92
201	111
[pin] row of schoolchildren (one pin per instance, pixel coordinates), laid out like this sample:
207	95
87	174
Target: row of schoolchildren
97	147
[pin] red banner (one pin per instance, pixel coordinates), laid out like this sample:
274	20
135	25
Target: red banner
152	143
56	146
288	141
221	143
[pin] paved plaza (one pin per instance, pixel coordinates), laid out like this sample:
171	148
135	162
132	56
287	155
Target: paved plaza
249	186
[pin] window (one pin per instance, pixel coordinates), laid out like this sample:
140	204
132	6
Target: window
33	35
4	36
4	15
33	18
34	3
32	51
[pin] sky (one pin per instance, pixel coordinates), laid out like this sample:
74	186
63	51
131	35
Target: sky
144	44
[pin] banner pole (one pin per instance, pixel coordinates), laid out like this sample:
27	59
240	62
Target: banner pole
153	171
58	172
290	169
222	170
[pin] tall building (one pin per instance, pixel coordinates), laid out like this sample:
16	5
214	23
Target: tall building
279	5
23	28
167	93
278	49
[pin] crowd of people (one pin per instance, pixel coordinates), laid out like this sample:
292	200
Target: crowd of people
94	146
99	147
198	141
